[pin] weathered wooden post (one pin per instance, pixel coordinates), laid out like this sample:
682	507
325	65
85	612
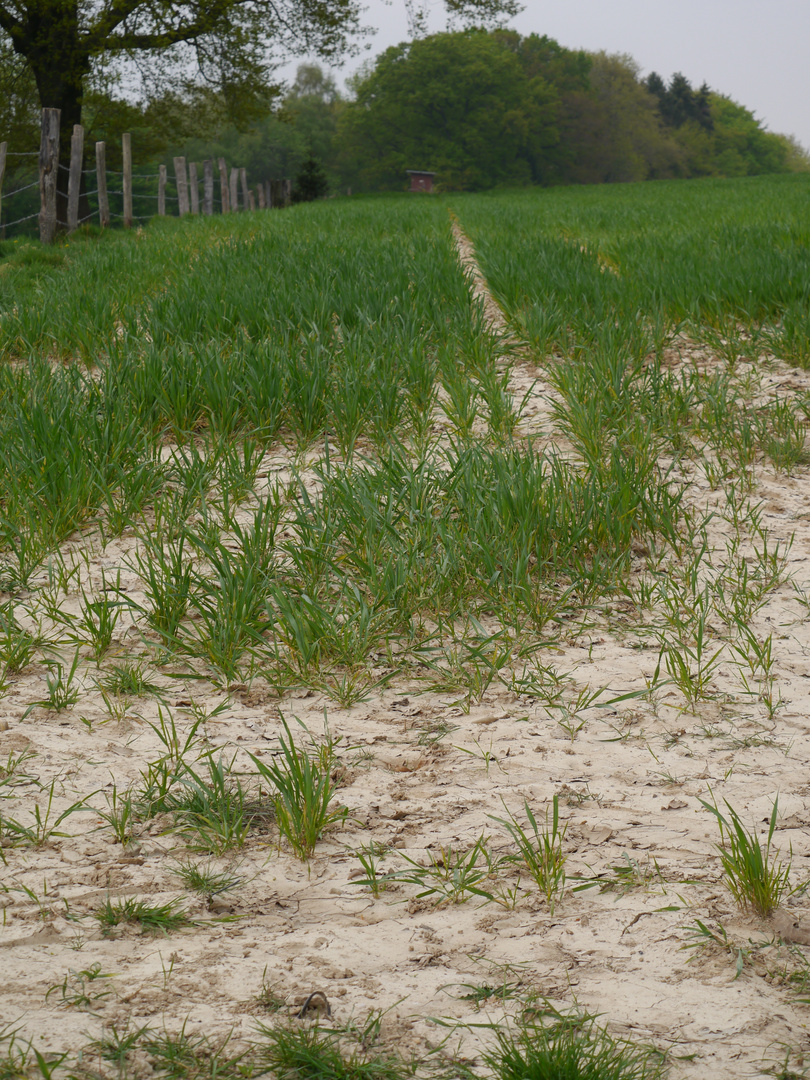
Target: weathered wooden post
161	191
245	189
48	168
208	187
287	188
182	185
3	153
223	186
260	195
268	195
193	190
126	149
101	176
75	176
234	189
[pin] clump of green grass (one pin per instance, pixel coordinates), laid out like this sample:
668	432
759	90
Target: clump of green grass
304	793
540	849
292	1053
570	1049
757	880
152	918
205	880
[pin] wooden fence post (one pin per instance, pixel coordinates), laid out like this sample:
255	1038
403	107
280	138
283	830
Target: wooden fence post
245	189
260	195
182	185
48	168
234	189
223	186
268	195
101	176
75	177
161	191
3	152
126	148
193	190
208	187
287	189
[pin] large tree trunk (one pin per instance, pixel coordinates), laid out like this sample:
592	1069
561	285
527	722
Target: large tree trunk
53	47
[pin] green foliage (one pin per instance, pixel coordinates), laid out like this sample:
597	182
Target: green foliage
151	918
459	104
756	879
570	1049
311	182
304	791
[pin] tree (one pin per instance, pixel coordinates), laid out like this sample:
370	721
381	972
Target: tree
311	182
227	43
459	104
614	129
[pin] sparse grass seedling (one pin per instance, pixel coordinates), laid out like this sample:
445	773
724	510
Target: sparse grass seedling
540	849
757	880
303	792
75	988
151	918
205	881
570	1049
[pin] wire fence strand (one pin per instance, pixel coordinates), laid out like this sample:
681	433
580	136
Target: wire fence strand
8	224
10	194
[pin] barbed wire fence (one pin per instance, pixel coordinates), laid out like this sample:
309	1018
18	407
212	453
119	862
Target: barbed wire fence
116	198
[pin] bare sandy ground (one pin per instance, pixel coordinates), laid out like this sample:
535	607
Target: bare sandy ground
419	772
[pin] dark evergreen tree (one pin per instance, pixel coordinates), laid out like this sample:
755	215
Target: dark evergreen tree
311	182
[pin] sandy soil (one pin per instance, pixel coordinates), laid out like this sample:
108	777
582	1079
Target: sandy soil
421	772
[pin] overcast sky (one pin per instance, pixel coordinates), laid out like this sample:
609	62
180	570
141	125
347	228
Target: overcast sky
755	52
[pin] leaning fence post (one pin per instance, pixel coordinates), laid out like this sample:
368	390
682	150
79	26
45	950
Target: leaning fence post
223	186
193	190
75	177
48	169
126	148
161	191
182	185
101	176
234	189
208	187
245	190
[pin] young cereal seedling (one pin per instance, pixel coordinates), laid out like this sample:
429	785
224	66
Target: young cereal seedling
205	881
376	879
43	829
569	1048
119	815
450	876
62	691
756	880
703	937
304	792
74	988
540	849
152	918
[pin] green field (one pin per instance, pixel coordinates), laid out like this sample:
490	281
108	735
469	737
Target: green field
280	467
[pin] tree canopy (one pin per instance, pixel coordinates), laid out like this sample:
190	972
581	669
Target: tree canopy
482	108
